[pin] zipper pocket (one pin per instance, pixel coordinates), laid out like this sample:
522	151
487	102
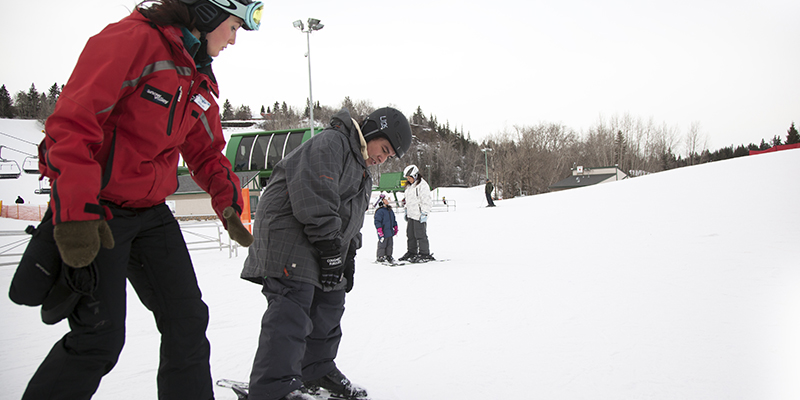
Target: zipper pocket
172	110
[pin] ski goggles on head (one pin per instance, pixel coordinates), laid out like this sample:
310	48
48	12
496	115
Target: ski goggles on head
249	13
253	12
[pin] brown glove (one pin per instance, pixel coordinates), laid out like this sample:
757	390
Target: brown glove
79	241
236	230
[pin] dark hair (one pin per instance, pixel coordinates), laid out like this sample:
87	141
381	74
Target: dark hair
167	12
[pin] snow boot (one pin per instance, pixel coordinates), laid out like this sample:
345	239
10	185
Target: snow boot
338	385
406	257
422	258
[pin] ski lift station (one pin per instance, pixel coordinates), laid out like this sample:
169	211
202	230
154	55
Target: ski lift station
582	177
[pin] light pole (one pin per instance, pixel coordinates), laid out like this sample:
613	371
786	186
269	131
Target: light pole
486	161
313	25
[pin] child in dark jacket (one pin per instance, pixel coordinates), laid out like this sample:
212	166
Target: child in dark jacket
386	225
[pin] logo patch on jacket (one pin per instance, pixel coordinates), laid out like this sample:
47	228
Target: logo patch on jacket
156	96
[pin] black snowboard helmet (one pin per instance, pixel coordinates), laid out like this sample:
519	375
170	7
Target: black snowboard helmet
208	14
389	123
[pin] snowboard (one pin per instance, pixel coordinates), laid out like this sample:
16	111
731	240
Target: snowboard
241	389
401	263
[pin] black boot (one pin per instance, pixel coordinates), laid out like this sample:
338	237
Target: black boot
409	255
422	258
337	384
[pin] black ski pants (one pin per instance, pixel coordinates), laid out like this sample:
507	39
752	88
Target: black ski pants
417	237
151	252
300	336
489	199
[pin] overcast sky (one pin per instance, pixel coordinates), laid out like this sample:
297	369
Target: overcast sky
484	67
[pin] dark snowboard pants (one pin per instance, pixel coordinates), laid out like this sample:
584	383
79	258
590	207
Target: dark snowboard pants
300	335
489	199
150	250
385	246
417	233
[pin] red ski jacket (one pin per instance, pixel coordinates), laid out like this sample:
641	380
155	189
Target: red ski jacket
134	104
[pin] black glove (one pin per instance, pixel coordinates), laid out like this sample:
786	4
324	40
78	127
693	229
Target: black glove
236	229
350	268
79	241
331	263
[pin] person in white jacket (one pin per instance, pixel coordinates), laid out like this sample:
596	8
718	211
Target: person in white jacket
418	206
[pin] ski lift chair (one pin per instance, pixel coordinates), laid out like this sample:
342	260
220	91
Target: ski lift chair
43	188
31	165
9	169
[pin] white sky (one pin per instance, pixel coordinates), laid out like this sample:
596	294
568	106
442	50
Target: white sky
486	67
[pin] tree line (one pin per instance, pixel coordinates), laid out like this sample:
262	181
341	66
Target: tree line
523	160
30	104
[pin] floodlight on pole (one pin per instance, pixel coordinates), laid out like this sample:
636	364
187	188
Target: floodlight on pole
486	161
313	25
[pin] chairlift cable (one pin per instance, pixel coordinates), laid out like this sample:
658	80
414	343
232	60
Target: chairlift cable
21	140
18	151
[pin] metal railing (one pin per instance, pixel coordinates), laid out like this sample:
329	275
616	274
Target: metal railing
207	235
438	206
12	245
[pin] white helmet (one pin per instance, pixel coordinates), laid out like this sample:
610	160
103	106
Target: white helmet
411	171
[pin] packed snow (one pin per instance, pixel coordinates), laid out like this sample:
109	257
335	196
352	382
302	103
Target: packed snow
676	285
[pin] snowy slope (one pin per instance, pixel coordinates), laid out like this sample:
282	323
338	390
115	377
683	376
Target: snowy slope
677	285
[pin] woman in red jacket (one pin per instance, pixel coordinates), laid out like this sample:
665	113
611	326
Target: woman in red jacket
141	95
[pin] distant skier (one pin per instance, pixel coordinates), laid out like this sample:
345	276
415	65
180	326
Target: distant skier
489	188
418	206
386	225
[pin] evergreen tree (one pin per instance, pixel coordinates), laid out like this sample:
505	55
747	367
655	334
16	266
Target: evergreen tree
53	93
740	151
44	110
227	111
776	141
419	117
27	104
35	102
6	105
263	113
348	104
48	102
792	136
620	148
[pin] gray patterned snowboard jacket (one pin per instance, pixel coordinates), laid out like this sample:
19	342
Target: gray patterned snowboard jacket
318	192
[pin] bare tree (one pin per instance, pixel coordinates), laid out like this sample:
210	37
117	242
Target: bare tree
695	142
